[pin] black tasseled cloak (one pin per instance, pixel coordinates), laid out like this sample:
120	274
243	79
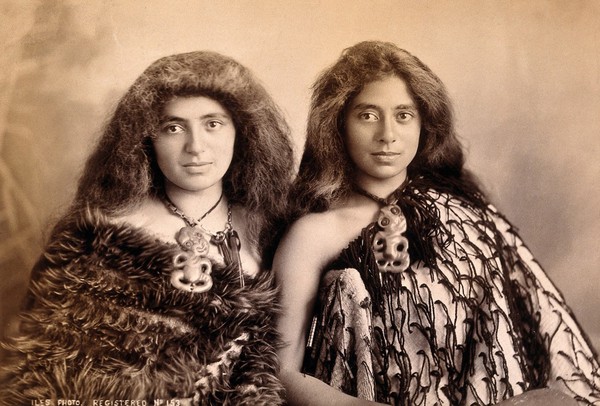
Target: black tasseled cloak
474	319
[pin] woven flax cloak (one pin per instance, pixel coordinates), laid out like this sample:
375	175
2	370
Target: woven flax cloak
474	320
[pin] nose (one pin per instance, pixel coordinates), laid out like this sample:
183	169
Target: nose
387	132
195	141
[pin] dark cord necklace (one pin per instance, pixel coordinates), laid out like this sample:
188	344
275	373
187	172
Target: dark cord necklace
390	246
188	220
391	199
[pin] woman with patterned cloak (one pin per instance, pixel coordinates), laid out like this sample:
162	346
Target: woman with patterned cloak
401	283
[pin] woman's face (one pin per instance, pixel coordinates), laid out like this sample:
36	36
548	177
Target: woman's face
382	127
194	146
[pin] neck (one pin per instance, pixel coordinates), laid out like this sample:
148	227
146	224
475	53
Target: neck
195	203
382	188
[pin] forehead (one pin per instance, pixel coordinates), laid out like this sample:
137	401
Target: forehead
193	106
391	90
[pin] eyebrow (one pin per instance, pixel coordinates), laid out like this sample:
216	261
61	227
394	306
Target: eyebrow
361	106
203	117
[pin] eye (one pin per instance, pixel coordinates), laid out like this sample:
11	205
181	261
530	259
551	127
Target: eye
404	116
214	124
172	129
368	116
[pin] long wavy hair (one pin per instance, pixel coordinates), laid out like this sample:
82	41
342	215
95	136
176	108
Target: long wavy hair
326	171
122	170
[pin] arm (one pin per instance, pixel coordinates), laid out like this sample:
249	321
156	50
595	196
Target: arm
298	262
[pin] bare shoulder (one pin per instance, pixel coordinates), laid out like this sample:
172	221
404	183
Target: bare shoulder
151	216
138	216
306	242
318	238
314	231
317	225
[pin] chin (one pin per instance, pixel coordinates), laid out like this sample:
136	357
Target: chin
195	187
390	175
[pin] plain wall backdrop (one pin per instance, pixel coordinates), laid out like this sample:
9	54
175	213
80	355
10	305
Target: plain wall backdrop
524	77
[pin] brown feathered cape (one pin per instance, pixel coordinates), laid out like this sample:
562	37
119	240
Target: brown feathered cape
102	321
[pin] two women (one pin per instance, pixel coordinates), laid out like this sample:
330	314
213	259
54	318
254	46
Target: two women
400	283
153	285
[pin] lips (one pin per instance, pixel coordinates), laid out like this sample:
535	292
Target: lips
386	157
197	168
195	164
385	153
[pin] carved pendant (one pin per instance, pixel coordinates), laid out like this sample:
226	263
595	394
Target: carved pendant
192	273
193	239
390	246
192	266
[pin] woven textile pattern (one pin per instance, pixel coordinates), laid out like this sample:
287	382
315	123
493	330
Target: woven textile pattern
474	322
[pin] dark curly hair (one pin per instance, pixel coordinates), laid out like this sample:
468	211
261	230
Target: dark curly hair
122	170
326	170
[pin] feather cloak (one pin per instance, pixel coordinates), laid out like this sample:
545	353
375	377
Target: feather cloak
102	321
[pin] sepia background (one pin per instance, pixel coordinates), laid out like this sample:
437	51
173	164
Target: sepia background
524	77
